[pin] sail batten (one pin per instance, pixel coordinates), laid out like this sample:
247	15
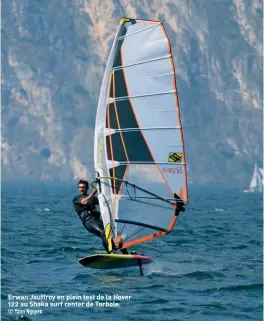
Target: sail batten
141	62
147	163
159	76
143	95
139	150
141	224
139	129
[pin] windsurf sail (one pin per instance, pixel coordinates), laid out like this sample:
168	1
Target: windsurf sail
254	179
256	183
260	177
139	149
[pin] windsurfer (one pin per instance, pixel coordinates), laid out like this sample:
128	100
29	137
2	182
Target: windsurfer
85	206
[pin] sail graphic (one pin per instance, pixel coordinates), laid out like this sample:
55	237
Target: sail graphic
139	149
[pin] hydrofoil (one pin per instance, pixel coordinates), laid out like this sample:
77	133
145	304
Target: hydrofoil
115	261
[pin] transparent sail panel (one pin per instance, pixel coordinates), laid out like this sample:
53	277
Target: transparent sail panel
142	216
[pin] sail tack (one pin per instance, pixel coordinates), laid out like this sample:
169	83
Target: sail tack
139	147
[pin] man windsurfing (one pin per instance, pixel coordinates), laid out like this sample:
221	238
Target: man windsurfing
85	205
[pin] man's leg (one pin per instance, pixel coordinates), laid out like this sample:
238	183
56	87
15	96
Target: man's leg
98	216
95	226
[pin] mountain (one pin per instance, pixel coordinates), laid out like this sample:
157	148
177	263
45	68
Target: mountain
53	58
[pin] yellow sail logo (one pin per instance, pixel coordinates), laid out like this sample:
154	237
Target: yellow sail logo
108	236
175	157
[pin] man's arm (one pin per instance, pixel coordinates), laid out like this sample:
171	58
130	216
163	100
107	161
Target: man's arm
86	199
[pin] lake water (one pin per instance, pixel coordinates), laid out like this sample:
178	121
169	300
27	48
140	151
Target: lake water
208	269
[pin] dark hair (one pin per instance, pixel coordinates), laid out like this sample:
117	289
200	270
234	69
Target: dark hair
81	181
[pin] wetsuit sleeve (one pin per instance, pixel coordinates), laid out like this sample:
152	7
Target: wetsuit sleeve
77	199
78	206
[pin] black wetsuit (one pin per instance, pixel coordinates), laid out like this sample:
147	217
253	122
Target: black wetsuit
90	218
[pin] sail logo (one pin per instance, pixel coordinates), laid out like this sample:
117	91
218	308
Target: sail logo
177	170
175	157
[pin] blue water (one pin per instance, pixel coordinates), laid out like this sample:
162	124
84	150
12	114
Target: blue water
208	269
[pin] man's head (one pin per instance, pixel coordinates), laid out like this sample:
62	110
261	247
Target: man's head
83	186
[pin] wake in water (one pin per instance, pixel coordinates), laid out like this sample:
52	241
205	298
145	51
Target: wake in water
43	209
219	210
155	268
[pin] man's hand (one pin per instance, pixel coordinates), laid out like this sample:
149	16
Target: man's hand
86	199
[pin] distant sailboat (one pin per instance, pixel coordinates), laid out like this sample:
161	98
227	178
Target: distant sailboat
256	183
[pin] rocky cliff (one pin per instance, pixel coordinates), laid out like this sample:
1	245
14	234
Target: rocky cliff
53	58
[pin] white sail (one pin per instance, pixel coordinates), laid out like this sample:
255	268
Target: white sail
139	147
253	182
260	170
260	179
256	183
